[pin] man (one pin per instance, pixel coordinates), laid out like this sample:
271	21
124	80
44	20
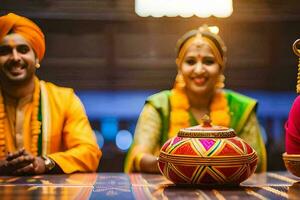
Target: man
43	127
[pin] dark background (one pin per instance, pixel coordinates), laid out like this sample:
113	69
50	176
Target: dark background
104	46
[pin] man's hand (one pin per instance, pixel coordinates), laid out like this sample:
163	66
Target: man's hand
3	168
37	166
22	163
15	161
11	156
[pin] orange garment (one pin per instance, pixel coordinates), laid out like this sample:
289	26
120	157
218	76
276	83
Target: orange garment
15	112
26	28
67	135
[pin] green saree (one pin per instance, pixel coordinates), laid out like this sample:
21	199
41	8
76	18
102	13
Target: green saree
153	126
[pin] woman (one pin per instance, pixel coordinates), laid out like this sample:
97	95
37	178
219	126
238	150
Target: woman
197	91
292	126
292	129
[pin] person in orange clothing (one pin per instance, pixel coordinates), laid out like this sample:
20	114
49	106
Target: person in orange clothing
43	127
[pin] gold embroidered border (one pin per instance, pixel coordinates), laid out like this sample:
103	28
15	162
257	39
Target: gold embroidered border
206	134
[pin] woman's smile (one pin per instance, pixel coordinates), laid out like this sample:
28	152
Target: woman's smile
199	80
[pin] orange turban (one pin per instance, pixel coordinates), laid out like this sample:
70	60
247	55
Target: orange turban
25	27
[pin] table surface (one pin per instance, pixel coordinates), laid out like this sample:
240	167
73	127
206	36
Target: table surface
270	185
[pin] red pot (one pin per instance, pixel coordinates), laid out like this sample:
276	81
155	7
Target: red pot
207	155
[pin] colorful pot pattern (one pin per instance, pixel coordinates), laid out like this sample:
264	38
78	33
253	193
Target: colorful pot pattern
207	155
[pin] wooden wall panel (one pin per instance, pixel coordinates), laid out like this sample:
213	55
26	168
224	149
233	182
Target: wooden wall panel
144	45
76	45
102	44
244	46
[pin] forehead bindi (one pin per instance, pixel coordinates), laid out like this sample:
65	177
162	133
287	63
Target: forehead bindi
199	51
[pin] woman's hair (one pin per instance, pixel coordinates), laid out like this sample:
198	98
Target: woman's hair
205	32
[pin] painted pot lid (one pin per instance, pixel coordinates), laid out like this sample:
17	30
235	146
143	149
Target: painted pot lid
206	130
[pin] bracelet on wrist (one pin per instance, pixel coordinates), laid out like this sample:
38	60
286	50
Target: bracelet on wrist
49	163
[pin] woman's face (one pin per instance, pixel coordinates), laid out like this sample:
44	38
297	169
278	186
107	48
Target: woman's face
200	69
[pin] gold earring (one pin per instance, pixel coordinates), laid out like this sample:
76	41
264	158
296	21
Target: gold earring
37	65
179	81
220	83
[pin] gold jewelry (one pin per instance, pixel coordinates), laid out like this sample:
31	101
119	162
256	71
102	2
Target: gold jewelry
220	83
296	49
37	65
35	123
204	33
298	78
179	81
49	163
195	40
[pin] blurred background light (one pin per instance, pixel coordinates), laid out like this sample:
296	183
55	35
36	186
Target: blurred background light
123	140
183	8
109	128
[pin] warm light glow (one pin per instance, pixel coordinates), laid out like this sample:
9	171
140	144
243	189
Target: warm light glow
183	8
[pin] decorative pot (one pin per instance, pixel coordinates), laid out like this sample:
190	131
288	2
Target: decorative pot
207	155
292	163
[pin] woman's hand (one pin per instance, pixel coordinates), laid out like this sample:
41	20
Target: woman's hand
149	164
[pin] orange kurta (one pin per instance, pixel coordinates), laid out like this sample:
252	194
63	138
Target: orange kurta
67	135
